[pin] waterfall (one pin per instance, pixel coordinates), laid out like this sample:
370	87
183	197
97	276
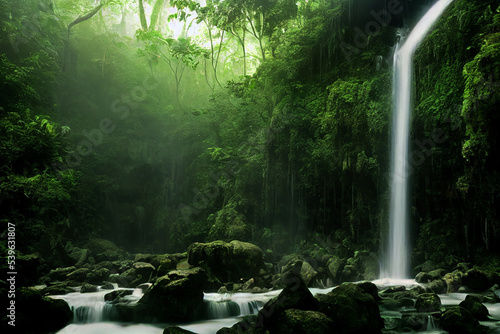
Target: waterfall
397	262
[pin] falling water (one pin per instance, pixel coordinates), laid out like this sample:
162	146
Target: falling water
396	265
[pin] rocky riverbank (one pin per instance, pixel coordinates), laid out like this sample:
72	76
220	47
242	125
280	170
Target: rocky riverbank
174	286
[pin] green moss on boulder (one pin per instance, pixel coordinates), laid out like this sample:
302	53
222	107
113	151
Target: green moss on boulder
351	309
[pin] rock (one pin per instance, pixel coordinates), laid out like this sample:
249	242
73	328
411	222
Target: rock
428	302
474	306
141	272
350	274
164	265
56	289
453	281
78	275
367	265
438	286
108	286
304	322
370	289
37	314
60	274
476	280
98	276
351	309
227	261
307	273
175	330
458	320
248	285
416	322
436	274
334	267
116	296
295	295
86	288
422	277
177	296
105	250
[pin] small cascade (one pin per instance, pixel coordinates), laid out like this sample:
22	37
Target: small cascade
431	325
91	307
220	306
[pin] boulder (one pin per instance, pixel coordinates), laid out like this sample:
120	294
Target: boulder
453	281
177	296
248	325
436	274
307	272
351	309
78	275
437	286
86	288
116	296
295	295
140	272
474	306
422	277
98	276
350	274
37	314
428	302
370	289
60	274
56	289
458	320
476	280
227	262
367	265
304	322
334	267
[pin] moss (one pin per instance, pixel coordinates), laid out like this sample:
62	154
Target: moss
428	302
304	322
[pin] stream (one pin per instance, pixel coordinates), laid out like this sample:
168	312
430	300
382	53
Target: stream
92	313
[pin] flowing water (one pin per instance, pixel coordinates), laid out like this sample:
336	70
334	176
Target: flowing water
397	262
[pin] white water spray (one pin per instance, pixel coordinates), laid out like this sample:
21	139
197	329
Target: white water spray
397	264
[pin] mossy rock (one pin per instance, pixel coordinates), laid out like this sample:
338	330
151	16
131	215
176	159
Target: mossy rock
477	280
98	276
453	281
37	314
428	302
60	274
79	275
307	272
437	286
370	289
225	261
295	295
351	309
57	289
304	322
474	306
459	320
87	288
177	296
334	266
